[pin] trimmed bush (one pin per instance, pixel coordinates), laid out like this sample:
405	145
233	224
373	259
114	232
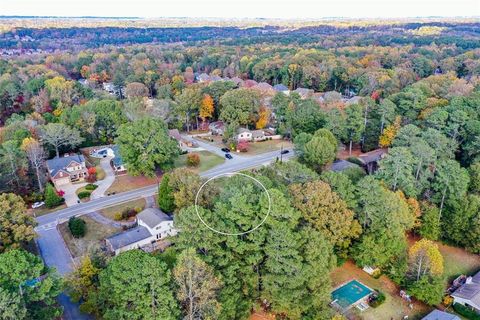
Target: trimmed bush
118	216
466	312
77	227
91	187
193	159
83	194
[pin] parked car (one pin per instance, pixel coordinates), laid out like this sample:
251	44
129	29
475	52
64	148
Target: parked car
285	151
38	204
226	150
228	156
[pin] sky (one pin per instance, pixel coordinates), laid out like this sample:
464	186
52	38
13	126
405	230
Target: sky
285	9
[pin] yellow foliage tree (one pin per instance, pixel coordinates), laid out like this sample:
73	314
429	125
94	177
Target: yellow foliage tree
425	259
206	107
389	133
263	118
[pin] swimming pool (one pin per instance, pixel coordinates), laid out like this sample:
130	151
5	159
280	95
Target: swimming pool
349	293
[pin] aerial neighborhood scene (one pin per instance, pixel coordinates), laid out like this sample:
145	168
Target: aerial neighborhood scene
255	160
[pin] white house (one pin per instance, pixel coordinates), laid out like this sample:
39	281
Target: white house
152	225
113	153
469	293
244	134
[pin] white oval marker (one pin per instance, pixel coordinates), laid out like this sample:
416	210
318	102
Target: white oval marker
229	174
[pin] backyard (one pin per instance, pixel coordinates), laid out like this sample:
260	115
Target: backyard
208	160
93	238
393	307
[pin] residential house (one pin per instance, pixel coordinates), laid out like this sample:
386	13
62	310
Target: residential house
468	294
67	169
109	87
251	135
340	165
217	127
371	159
203	77
183	143
281	88
304	92
440	315
244	134
111	152
152	225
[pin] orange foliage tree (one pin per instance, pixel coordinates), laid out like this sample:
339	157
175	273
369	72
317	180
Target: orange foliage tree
206	107
263	118
389	133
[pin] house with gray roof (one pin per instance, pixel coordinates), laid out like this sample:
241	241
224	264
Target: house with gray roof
152	225
281	88
440	315
340	165
468	294
67	169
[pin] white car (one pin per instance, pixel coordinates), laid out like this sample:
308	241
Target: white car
37	205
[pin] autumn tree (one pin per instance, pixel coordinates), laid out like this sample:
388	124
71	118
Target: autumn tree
263	118
16	225
136	89
326	211
82	284
188	104
197	286
206	107
388	135
36	156
59	135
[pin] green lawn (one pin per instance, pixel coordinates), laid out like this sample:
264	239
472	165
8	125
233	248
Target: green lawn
458	261
208	160
111	211
260	147
96	232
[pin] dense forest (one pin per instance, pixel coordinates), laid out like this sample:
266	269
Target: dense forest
410	88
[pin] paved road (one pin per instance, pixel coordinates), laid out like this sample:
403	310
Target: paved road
238	163
52	246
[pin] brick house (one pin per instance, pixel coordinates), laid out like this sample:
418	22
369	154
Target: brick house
67	169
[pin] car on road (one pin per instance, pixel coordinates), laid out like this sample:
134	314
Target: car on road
38	205
285	151
226	150
228	156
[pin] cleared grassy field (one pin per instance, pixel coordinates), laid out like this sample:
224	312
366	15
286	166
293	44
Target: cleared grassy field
208	160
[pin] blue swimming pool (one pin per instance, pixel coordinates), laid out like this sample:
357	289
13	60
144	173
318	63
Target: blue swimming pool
350	293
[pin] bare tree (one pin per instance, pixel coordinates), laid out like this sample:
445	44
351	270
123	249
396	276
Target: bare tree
59	135
36	156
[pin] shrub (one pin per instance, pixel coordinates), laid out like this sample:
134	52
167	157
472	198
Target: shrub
91	187
376	273
118	216
128	213
355	160
193	160
466	312
77	227
242	145
52	199
84	194
377	299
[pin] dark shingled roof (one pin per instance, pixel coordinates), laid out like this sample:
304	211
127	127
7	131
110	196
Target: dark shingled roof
128	237
280	87
470	291
117	160
340	165
57	164
440	315
152	217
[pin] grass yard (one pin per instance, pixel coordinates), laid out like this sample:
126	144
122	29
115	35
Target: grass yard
394	307
456	261
96	232
44	210
208	160
127	182
110	211
260	147
100	172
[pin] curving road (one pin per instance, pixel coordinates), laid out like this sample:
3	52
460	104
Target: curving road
238	163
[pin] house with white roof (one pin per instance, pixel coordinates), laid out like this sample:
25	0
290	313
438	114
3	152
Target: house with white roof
468	294
152	225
